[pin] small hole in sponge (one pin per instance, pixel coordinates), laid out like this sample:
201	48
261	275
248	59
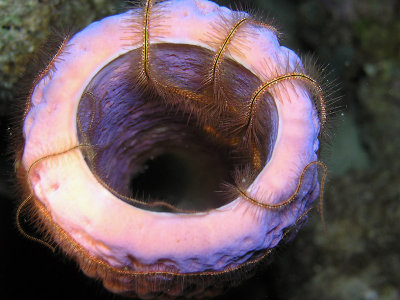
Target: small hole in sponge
186	180
158	143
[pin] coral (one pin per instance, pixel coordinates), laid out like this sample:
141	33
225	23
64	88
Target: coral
24	25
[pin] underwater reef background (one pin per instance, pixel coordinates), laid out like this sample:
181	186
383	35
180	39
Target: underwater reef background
358	257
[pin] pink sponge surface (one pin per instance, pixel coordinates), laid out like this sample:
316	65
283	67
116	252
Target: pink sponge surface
118	233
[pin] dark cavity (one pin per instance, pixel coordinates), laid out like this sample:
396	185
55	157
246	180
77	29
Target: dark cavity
152	141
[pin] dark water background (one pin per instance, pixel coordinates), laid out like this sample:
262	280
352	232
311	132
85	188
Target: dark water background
358	256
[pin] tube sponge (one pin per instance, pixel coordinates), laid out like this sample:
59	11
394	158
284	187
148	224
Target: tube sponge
186	77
